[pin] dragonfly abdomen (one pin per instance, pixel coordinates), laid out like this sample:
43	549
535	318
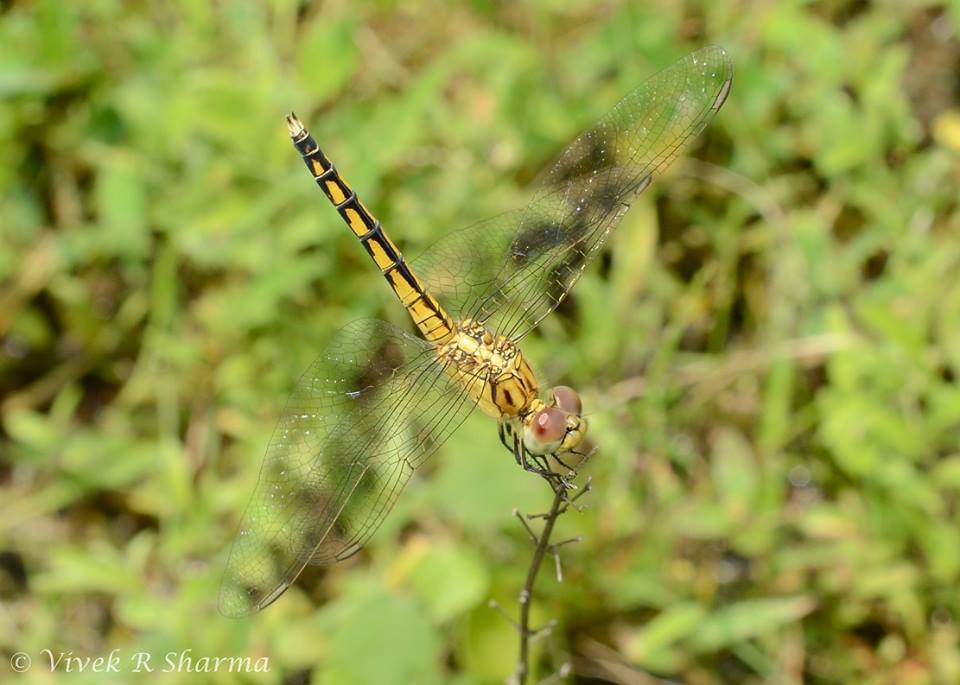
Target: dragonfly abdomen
433	321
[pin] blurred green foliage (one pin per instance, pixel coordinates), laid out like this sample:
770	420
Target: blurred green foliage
769	350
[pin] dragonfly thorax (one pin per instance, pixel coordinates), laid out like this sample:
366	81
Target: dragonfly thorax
492	369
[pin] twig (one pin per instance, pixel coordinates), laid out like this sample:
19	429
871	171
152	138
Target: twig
561	502
495	605
526	594
526	526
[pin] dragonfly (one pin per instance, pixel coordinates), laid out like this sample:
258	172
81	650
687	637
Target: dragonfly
379	400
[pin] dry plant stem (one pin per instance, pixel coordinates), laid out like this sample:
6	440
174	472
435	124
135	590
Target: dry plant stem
561	502
526	595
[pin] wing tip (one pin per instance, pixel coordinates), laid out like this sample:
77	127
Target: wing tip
722	94
232	603
716	57
237	602
712	52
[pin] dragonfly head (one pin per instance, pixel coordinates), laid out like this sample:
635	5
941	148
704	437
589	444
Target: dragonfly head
556	427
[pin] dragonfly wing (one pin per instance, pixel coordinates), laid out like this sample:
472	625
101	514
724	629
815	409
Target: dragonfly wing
362	418
514	269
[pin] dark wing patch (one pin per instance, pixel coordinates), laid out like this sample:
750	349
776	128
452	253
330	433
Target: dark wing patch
514	269
362	418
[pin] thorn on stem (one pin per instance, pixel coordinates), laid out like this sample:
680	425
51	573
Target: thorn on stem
526	526
544	630
569	541
571	502
554	549
495	605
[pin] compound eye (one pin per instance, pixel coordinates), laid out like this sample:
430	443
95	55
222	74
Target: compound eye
567	399
549	425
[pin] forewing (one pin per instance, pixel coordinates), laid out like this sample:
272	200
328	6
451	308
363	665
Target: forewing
366	413
514	269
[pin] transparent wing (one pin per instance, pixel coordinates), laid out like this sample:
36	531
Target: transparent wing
514	269
362	418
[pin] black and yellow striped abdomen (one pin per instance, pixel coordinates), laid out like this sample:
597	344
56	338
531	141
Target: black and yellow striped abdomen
434	323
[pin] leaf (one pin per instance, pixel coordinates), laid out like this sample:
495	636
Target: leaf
121	209
449	579
95	568
747	620
380	638
489	644
734	472
327	56
479	483
649	646
35	432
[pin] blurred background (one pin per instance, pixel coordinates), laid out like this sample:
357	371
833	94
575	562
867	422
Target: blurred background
768	349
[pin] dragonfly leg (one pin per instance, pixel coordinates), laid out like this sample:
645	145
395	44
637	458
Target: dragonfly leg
515	447
520	453
543	468
537	463
563	463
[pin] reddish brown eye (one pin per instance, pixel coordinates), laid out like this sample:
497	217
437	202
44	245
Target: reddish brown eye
549	425
567	399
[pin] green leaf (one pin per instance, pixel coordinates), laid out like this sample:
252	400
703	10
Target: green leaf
650	646
327	56
449	579
748	620
34	431
380	638
121	208
489	645
734	472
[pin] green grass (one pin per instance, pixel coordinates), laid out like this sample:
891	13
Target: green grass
769	354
